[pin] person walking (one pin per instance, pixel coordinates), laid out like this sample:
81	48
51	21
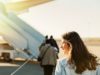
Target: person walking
49	58
44	41
54	43
78	60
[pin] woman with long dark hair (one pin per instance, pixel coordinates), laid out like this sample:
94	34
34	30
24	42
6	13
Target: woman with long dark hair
78	60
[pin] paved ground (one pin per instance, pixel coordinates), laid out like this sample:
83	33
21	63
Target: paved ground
28	69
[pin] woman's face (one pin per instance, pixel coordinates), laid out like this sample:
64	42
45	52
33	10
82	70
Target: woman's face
65	45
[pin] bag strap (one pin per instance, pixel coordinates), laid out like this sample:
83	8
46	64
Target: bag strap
45	52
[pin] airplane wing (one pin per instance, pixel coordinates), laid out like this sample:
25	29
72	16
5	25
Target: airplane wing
22	5
32	42
13	37
23	25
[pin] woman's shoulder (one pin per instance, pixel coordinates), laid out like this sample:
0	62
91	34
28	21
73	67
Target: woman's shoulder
62	61
98	67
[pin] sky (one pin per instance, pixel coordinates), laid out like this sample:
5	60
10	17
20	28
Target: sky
60	16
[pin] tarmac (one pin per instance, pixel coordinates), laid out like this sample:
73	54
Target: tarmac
27	69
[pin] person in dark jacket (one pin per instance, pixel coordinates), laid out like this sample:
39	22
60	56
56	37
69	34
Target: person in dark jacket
54	43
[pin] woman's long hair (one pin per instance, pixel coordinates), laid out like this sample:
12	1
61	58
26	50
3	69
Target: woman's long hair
80	56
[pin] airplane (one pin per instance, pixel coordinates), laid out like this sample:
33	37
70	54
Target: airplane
26	39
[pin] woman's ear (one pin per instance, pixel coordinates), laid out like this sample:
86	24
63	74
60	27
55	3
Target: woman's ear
70	46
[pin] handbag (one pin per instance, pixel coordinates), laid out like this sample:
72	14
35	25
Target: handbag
39	59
